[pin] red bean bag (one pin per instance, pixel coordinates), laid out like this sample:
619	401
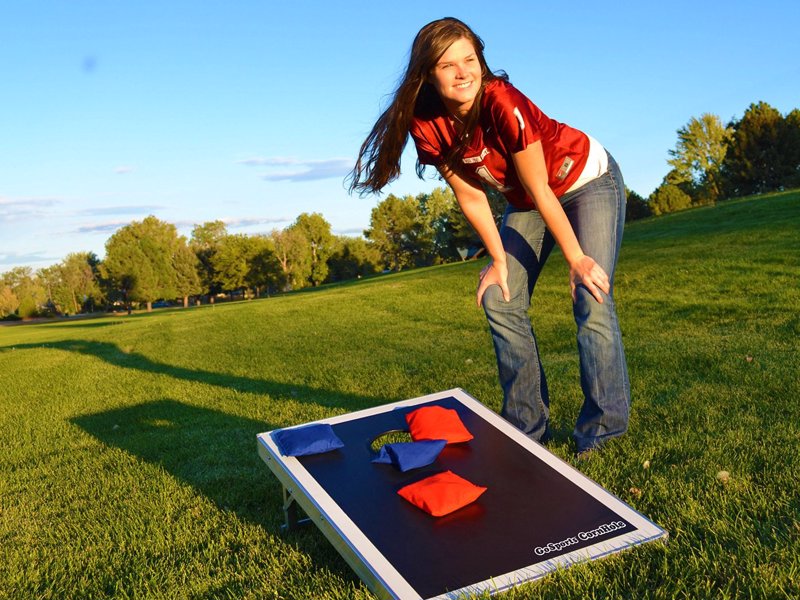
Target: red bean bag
437	423
441	494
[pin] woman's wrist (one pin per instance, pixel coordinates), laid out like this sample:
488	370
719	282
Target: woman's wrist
576	258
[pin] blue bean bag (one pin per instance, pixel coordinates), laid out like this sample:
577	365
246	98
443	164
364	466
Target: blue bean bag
305	440
410	455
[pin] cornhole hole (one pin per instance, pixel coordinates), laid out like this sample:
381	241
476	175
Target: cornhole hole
537	514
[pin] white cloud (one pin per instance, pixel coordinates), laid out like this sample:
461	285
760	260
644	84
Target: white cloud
275	161
249	221
119	210
235	222
18	209
301	170
107	227
25	208
123	170
231	222
12	259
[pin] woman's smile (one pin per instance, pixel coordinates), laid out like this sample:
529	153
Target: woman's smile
455	76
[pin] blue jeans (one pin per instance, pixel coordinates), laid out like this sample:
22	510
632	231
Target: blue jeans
597	214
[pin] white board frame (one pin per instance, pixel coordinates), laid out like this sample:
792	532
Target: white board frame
373	567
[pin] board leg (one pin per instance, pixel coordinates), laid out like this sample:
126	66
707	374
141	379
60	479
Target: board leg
292	520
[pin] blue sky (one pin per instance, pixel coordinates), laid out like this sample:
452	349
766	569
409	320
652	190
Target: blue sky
253	111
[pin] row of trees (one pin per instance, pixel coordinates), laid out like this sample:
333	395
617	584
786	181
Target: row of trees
148	260
755	154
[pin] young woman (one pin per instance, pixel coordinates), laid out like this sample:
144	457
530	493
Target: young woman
562	187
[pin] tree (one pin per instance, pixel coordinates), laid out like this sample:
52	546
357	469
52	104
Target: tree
688	187
204	243
265	269
668	198
293	253
464	236
352	258
395	230
187	278
50	278
637	207
27	289
317	232
242	262
8	301
231	262
764	153
72	283
791	144
699	153
437	214
426	229
140	260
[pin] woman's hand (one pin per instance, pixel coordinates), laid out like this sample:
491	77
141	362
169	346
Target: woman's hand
475	206
495	273
583	270
586	272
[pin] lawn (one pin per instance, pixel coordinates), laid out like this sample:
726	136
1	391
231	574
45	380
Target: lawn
128	464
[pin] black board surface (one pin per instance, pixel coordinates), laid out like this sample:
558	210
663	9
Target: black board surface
530	512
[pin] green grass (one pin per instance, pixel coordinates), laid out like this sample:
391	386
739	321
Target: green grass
128	465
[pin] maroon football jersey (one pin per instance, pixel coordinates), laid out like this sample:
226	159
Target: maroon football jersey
509	123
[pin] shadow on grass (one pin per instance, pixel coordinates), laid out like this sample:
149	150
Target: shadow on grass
210	450
215	453
89	323
113	354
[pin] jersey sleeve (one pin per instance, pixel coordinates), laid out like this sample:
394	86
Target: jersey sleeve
515	117
429	149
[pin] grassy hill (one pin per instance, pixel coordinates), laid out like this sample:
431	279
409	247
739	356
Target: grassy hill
128	466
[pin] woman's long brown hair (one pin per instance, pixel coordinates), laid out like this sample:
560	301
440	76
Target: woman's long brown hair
379	158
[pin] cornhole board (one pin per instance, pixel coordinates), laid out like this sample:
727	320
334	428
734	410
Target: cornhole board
538	513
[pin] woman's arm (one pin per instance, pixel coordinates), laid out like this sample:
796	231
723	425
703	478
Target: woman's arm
475	206
583	270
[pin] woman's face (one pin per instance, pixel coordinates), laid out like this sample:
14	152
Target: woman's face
457	76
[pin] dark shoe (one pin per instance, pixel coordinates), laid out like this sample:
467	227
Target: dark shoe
546	437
